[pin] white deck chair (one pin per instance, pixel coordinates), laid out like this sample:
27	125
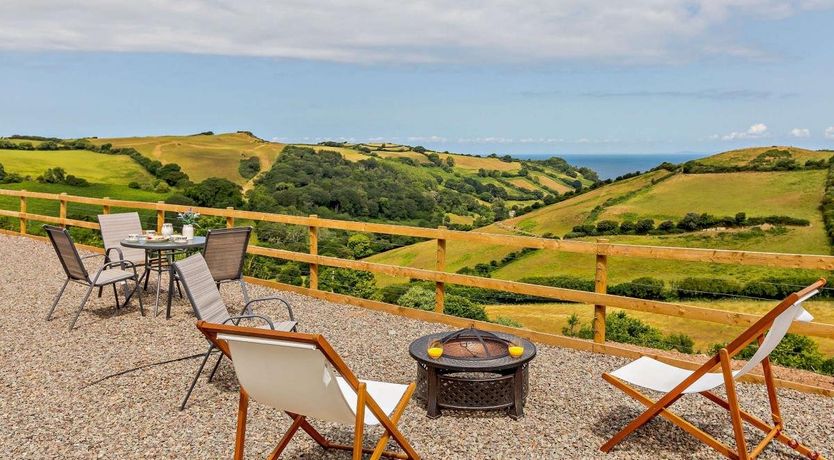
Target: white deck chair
675	382
289	371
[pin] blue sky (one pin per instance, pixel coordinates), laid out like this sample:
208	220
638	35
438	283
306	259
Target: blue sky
479	77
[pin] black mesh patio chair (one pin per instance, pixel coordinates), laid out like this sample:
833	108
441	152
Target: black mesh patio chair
225	252
201	290
110	273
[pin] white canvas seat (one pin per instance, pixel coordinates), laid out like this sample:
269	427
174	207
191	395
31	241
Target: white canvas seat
675	382
272	371
113	275
649	373
303	376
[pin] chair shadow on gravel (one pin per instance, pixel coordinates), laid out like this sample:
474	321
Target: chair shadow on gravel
659	433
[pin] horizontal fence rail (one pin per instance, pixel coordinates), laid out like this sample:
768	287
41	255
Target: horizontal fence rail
602	250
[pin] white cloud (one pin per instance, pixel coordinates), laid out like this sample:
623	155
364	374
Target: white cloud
396	31
801	132
829	132
755	131
438	139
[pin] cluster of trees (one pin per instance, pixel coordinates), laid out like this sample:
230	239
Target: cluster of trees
769	160
797	351
9	177
171	173
827	206
486	269
619	327
691	222
57	175
771	287
326	184
249	167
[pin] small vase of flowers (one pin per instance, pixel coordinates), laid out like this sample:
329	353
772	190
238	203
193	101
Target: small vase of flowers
189	219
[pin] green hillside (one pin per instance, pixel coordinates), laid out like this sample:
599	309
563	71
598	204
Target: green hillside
203	156
660	195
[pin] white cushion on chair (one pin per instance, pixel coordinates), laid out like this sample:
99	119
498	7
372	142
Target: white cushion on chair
387	395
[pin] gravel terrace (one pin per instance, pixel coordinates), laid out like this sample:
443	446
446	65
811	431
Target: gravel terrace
51	407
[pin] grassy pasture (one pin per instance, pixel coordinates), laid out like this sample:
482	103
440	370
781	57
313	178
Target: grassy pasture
475	163
416	156
523	183
202	157
95	167
741	157
552	317
561	217
794	193
550	183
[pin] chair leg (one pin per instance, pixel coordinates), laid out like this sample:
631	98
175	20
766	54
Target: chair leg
298	420
57	298
240	435
245	292
100	290
81	306
147	275
196	376
116	295
216	365
359	428
732	399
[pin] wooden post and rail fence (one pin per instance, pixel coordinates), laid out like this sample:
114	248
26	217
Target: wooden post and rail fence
602	250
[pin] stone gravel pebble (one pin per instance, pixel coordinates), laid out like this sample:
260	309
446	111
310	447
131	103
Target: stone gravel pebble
51	405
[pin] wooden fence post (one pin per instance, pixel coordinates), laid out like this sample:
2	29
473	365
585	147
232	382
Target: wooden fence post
601	287
440	287
160	216
62	210
314	251
230	219
22	211
105	208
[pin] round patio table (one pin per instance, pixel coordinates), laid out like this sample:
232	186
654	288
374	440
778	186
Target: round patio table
166	249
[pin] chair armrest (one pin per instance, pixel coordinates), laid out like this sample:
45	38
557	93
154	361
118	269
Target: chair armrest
264	299
119	251
122	263
236	319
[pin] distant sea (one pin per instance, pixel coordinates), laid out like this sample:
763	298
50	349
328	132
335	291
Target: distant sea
611	165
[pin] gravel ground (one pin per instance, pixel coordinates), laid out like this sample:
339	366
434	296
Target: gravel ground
51	405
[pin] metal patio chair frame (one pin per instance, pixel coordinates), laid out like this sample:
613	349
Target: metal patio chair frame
208	305
225	255
76	272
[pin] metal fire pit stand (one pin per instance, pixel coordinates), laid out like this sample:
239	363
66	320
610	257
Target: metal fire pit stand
471	384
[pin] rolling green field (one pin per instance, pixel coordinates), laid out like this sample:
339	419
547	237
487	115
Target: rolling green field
94	167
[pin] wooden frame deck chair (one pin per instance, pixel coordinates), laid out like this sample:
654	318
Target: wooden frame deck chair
225	252
676	382
110	273
292	372
207	304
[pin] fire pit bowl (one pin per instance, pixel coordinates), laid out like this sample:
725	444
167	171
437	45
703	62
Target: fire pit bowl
475	372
